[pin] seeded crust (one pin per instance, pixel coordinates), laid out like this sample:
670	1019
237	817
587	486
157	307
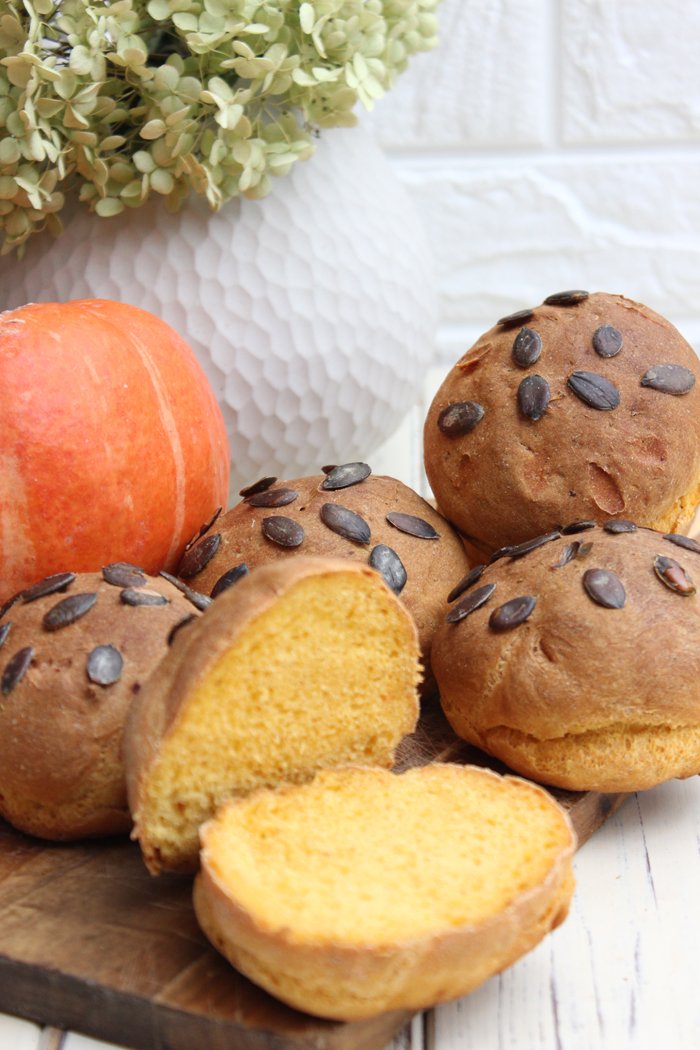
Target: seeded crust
304	664
431	565
579	695
360	853
511	477
61	768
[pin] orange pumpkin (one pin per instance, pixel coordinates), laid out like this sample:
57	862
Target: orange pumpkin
112	444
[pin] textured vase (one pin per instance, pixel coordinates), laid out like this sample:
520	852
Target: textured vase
312	311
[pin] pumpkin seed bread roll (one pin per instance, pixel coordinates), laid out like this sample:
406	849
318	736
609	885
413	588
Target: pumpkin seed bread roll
347	513
584	407
367	891
74	650
305	664
574	658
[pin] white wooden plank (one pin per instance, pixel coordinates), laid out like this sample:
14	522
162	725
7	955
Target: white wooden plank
16	1034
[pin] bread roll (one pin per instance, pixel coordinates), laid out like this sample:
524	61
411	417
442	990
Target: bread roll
74	651
366	891
304	664
584	407
577	663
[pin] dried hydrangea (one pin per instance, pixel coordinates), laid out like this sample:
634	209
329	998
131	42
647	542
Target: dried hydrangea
119	99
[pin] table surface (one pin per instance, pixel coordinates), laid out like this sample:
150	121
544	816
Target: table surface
619	974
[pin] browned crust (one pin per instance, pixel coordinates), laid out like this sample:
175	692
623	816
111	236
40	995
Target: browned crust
347	982
581	696
195	650
511	478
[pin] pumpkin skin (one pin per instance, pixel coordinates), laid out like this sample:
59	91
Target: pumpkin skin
112	444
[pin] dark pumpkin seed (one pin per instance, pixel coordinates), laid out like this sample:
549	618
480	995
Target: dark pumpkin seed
195	559
594	390
412	525
49	585
285	532
229	578
470	603
134	597
346	474
4	631
272	498
533	397
607	341
460	418
568	298
569	553
619	525
387	562
329	467
345	523
683	541
123	574
104	665
584	550
669	379
502	552
577	526
199	600
527	347
204	528
15	669
605	588
518	550
673	575
258	486
180	623
512	613
472	577
68	610
9	603
519	317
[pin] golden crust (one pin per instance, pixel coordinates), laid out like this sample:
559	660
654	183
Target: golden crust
578	695
338	980
511	478
62	774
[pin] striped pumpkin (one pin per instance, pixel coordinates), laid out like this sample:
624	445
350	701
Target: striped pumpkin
112	444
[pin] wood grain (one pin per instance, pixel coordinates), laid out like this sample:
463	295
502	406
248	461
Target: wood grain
89	941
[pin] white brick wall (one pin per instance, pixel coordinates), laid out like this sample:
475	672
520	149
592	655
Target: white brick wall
554	144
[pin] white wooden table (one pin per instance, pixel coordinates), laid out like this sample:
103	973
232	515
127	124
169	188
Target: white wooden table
620	974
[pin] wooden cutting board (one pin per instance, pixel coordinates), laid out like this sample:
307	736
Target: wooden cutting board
90	942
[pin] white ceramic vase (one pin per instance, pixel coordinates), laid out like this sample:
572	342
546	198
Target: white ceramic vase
311	311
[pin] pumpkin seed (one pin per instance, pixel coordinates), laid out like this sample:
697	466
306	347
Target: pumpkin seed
345	523
59	581
605	588
569	298
519	317
512	613
346	474
204	528
104	665
607	341
472	577
527	347
199	600
520	549
669	379
577	526
4	631
195	559
412	525
272	498
594	390
329	467
469	604
258	486
68	610
132	596
285	532
229	578
460	418
15	669
568	554
619	525
533	397
387	562
673	575
123	574
683	541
